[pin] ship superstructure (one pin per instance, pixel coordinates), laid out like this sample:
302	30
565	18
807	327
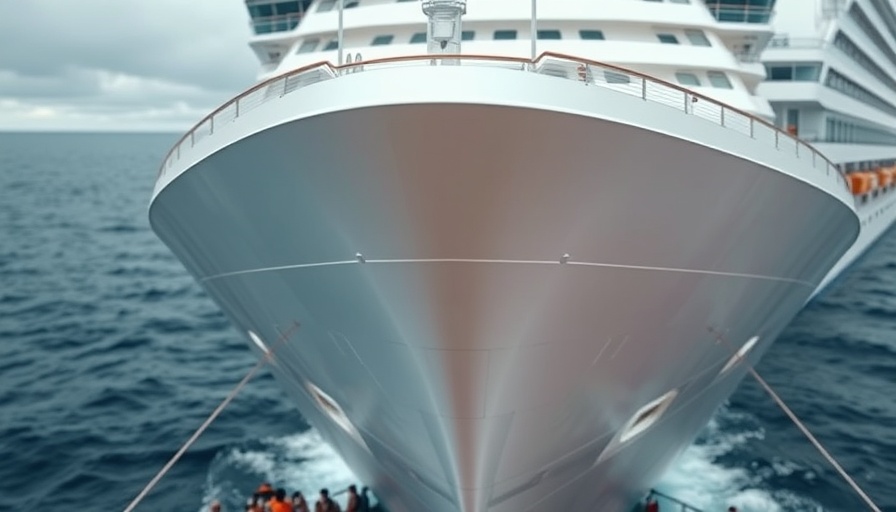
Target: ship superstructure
504	273
831	70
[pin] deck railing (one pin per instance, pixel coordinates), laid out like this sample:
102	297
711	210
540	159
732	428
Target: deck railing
588	72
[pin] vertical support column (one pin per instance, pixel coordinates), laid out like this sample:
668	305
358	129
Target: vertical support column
340	31
534	29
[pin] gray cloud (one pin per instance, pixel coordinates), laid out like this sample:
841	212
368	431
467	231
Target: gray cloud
80	64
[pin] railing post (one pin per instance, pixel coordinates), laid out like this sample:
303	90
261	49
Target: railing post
723	116
776	138
751	128
534	29
285	81
643	88
686	103
340	31
211	121
237	106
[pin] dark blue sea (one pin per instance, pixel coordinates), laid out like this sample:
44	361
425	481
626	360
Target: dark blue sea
111	356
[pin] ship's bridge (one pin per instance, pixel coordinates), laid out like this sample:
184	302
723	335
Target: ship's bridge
742	11
269	16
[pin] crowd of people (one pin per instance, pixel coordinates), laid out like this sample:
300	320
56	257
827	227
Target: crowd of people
268	499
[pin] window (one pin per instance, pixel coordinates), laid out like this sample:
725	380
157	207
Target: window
467	35
549	34
382	40
349	5
780	72
667	38
419	37
326	5
308	45
331	45
719	79
687	78
504	35
807	73
591	34
697	37
615	77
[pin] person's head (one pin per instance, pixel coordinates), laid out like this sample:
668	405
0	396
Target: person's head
732	509
297	495
281	494
324	493
215	506
352	489
364	490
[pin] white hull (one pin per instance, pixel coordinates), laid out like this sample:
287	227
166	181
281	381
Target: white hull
458	365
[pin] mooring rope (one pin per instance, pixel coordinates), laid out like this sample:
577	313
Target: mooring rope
852	483
796	421
208	421
186	446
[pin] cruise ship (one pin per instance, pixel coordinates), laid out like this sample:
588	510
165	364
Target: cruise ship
512	255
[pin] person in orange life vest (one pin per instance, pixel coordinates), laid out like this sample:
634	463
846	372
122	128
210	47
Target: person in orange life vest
279	503
352	504
265	491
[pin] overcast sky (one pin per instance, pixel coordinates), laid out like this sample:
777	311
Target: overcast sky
120	64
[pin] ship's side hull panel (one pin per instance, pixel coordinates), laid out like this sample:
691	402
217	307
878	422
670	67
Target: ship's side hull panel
472	301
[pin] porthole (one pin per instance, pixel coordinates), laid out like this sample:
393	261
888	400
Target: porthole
255	339
641	421
647	416
334	411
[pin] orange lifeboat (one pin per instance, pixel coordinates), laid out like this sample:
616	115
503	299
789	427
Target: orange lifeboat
884	177
859	183
872	176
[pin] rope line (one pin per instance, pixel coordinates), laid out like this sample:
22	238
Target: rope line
799	424
852	483
186	446
208	421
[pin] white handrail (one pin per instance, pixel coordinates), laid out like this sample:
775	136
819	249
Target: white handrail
591	72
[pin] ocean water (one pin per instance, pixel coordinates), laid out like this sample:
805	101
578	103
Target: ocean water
111	356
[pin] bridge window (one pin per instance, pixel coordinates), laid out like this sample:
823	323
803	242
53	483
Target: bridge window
697	37
331	45
592	35
687	78
419	37
667	38
505	35
615	77
382	40
308	45
719	79
549	34
467	35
